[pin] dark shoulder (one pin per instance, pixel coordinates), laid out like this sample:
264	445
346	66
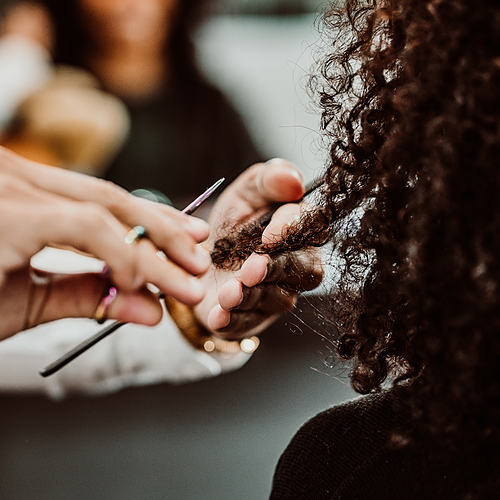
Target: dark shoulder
330	446
348	452
353	426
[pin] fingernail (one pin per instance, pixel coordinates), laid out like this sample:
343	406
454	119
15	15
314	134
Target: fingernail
287	164
296	174
274	160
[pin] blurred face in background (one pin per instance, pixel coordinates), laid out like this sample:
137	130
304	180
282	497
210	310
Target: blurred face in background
145	23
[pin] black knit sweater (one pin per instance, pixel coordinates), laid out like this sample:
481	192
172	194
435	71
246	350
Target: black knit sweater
346	453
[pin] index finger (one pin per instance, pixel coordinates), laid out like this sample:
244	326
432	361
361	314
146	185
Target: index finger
170	230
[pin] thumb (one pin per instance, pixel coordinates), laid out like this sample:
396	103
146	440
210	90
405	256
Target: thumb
279	181
258	189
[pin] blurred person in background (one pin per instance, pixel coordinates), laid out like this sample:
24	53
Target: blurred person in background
178	134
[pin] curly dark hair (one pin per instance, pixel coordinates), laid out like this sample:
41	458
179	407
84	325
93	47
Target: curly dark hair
409	98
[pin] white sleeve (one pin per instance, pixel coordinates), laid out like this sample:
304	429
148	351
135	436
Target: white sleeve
25	67
133	355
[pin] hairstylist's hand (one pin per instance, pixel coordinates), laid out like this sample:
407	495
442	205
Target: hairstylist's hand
41	205
245	302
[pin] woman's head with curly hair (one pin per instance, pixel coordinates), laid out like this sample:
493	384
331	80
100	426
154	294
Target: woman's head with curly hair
409	96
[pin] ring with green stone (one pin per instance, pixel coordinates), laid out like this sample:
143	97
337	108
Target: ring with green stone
135	234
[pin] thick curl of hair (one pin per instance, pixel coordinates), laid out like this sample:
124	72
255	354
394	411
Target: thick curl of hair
409	97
